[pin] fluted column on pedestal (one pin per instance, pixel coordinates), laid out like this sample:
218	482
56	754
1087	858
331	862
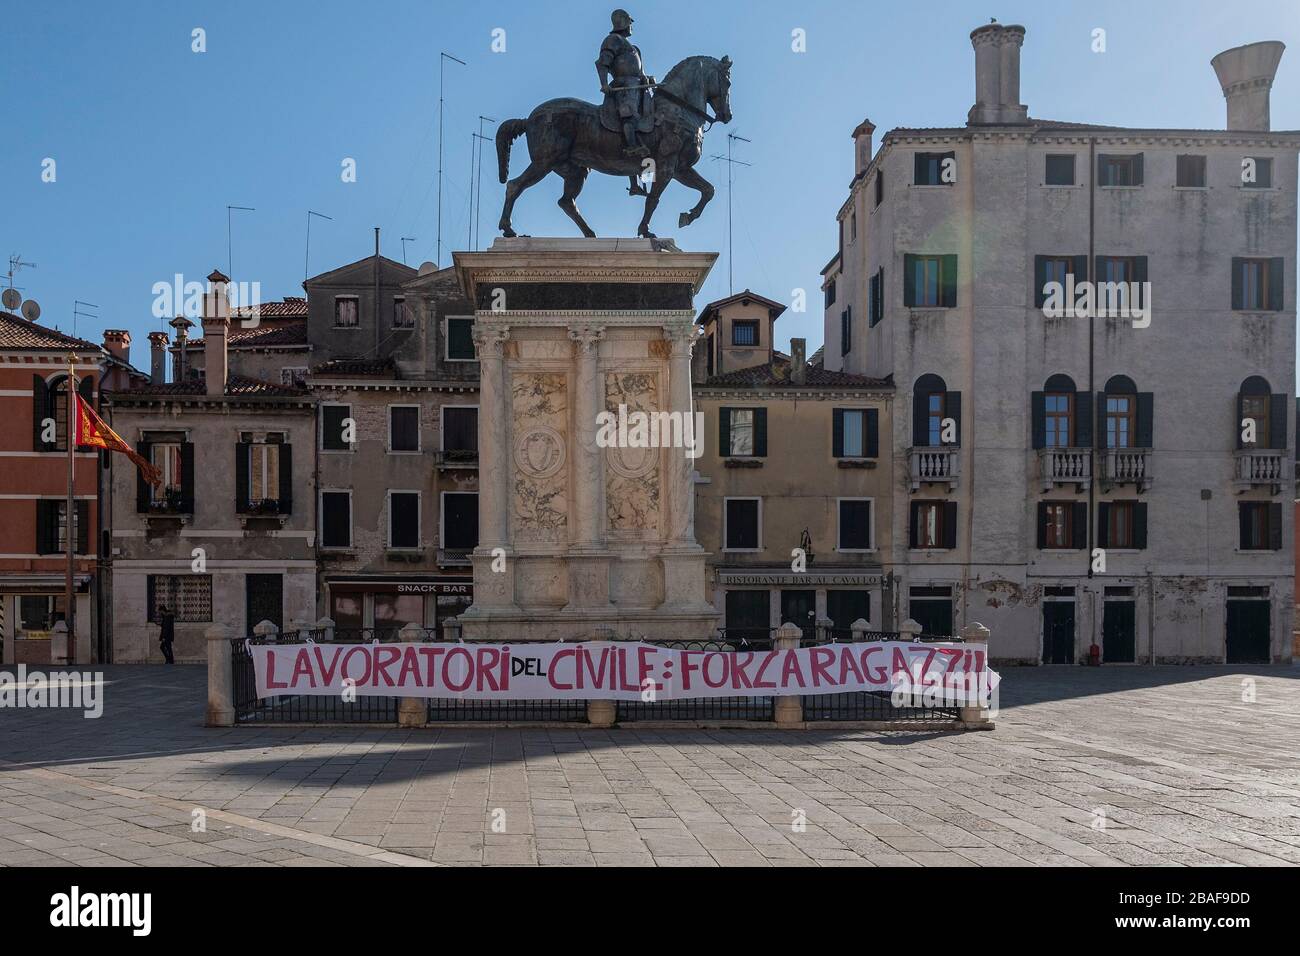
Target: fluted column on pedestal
493	587
681	489
587	404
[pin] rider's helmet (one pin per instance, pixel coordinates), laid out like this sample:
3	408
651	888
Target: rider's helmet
622	21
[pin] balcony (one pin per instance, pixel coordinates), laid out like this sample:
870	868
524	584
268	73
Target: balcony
1260	466
1126	466
455	557
1065	466
939	464
457	459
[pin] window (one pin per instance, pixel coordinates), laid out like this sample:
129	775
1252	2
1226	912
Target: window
830	293
333	436
855	524
403	428
929	168
346	311
1190	172
880	186
742	524
264	484
459	528
404	519
931	404
460	339
295	375
1257	284
742	432
1062	525
1058	408
1057	269
1119	170
1121	414
395	611
846	331
403	318
876	297
187	596
744	332
856	433
1261	525
1122	525
52	526
166	457
933	524
1061	416
845	607
1060	169
174	459
931	607
336	519
930	281
853	226
460	430
1126	414
1263	173
50	403
1265	412
347	611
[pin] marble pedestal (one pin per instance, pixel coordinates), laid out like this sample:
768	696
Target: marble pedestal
580	538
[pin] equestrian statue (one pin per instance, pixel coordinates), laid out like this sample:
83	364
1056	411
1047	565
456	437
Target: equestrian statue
651	132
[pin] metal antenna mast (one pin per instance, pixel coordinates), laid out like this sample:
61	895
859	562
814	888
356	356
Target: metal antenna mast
76	311
230	246
16	263
306	259
405	240
479	139
731	164
442	62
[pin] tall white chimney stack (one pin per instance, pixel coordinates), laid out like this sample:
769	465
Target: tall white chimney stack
1246	75
997	75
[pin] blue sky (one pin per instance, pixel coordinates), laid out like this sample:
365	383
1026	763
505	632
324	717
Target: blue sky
152	140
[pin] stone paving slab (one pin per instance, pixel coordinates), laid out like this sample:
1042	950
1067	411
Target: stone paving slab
1167	766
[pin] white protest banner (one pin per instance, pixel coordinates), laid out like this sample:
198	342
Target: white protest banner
620	671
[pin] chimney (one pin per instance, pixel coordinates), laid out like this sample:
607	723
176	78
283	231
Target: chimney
117	343
157	358
997	75
862	146
216	324
1246	75
798	361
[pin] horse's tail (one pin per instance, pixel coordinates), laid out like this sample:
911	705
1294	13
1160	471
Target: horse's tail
507	133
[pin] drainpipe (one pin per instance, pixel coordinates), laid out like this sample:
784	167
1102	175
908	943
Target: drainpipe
1092	371
376	292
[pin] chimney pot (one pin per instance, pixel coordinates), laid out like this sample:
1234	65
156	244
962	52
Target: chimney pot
862	146
997	75
157	358
1246	76
216	326
798	361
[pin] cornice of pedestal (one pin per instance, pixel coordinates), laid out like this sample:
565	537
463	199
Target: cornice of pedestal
668	319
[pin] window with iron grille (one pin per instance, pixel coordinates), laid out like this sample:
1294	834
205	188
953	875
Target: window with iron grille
744	332
189	596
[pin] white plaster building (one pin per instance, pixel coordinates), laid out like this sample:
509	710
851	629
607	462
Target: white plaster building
1026	442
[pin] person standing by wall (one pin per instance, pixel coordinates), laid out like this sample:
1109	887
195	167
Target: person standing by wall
166	632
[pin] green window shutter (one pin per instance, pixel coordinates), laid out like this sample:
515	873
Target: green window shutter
1275	526
1082	420
1042	525
144	448
1101	420
1238	295
952	409
1140	525
950	524
909	281
1145	416
1038	419
187	478
1137	170
43	528
760	433
873	433
724	432
1277	421
1040	280
242	454
1080	269
40	412
1276	278
83	527
920	420
1103	524
150	597
837	433
913	531
920	170
1243	525
1079	526
948	271
1140	276
286	479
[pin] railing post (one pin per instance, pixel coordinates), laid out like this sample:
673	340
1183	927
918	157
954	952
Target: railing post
221	678
909	630
787	712
859	628
977	717
299	628
325	629
267	630
412	711
451	630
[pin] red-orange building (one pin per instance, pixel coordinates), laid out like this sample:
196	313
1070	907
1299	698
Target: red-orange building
34	363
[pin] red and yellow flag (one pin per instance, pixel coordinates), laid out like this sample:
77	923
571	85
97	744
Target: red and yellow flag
94	432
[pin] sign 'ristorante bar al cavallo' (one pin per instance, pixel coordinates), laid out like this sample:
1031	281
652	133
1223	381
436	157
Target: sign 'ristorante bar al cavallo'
619	671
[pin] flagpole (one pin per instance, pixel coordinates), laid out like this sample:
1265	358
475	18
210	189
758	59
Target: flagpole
70	515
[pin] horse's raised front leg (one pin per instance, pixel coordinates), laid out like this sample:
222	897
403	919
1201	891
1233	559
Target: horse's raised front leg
661	181
529	177
687	176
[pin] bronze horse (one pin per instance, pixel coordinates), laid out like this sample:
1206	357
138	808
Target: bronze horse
566	136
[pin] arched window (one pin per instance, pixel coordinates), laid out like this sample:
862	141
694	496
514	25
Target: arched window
1120	412
50	402
1258	414
1058	412
932	402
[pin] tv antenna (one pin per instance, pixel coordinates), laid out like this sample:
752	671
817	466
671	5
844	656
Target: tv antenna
405	240
230	248
306	268
442	62
77	306
16	263
476	184
731	164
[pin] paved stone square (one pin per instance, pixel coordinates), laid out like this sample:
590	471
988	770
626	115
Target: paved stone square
1178	768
